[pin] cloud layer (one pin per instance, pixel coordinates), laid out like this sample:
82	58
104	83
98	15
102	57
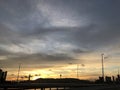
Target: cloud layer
57	31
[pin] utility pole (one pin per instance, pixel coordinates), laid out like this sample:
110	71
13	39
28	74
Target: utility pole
102	66
118	71
18	72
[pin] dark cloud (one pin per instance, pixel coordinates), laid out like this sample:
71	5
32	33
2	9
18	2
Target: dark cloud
35	59
79	51
15	9
4	52
86	25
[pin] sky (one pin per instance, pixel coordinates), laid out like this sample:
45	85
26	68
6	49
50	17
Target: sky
52	37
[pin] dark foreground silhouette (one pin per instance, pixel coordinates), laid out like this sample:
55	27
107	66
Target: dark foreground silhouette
58	84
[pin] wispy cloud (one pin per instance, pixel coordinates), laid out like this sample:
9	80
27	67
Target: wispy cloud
58	31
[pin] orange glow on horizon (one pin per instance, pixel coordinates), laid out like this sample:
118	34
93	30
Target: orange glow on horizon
90	70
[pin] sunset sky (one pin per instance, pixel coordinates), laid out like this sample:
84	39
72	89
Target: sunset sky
52	37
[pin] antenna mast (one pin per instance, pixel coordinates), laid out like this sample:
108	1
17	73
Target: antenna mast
118	71
102	66
18	72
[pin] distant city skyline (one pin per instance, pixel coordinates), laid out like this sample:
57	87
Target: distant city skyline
52	37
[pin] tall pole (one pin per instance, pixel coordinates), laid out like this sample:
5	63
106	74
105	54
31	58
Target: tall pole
18	72
118	71
102	66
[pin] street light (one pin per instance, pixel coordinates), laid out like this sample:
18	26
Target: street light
102	66
18	72
77	69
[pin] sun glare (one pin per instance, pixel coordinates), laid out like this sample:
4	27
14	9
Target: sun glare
35	77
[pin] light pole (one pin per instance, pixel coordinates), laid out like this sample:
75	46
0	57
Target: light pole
102	66
18	72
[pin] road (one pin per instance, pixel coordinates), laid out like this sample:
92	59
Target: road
65	86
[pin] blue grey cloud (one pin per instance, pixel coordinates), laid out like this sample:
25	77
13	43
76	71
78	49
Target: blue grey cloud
62	28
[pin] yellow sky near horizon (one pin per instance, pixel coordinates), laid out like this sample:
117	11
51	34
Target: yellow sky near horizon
89	71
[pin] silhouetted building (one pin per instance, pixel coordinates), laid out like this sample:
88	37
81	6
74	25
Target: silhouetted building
101	79
108	79
2	76
118	78
29	77
113	78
